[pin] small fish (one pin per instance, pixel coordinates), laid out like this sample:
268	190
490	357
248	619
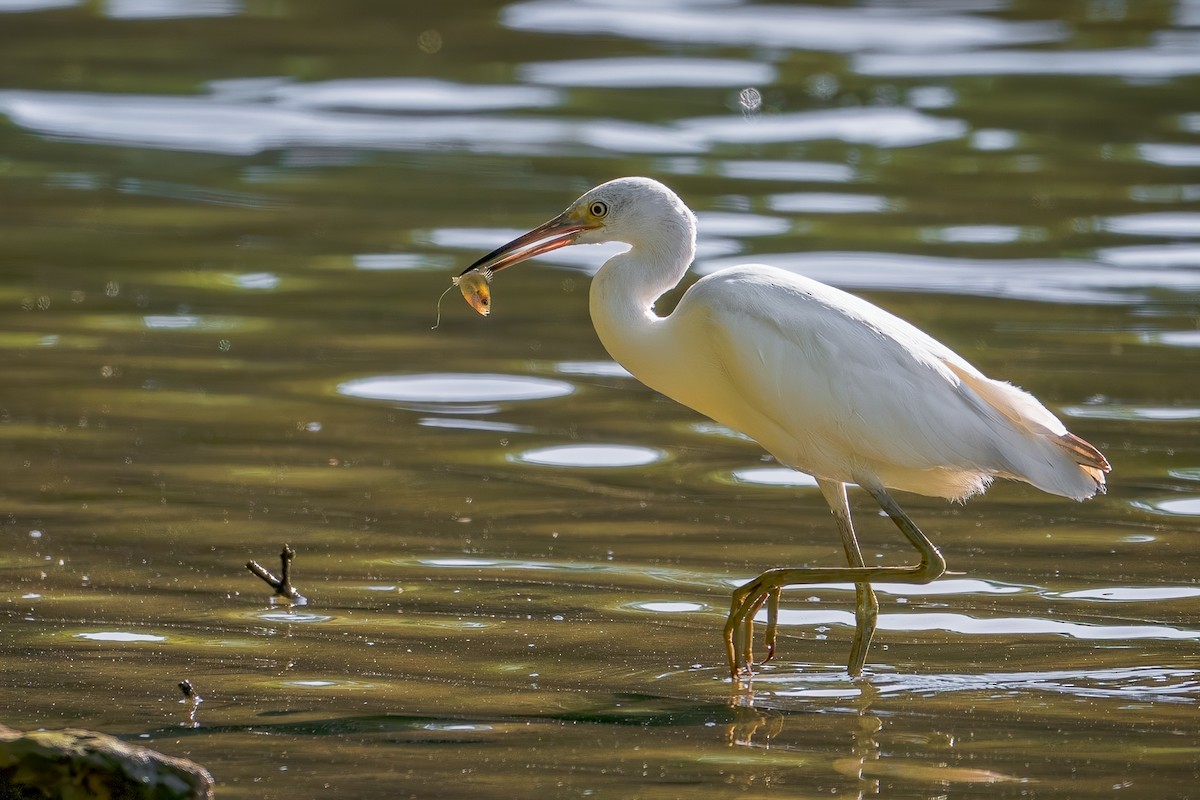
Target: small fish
475	290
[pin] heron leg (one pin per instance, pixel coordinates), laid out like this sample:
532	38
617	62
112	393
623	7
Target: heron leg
866	605
750	597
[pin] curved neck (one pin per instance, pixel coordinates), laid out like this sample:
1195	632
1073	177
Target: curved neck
625	289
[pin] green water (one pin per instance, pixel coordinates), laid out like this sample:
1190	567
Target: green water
226	221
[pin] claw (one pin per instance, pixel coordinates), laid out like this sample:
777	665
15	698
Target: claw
772	622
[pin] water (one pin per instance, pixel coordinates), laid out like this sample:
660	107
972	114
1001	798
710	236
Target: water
226	225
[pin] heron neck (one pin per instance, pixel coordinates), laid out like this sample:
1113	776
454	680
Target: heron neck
623	294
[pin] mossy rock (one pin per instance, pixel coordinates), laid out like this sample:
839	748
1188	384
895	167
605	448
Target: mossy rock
75	764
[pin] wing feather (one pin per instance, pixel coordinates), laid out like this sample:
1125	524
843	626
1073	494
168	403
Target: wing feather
833	385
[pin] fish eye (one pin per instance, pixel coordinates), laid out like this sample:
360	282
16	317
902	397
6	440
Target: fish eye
598	208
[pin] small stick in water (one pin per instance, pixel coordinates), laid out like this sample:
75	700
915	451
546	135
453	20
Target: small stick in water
282	585
193	700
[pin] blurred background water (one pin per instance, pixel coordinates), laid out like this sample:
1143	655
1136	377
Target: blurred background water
225	227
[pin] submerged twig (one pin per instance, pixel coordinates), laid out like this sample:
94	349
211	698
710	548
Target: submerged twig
193	700
283	584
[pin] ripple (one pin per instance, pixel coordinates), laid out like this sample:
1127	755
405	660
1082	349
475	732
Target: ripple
180	322
947	586
828	203
210	124
790	171
236	125
709	428
1159	61
1125	412
604	369
291	616
981	234
171	9
472	425
1187	474
455	726
1171	224
668	606
1134	594
311	684
256	281
773	476
1134	683
170	190
1175	506
1176	254
724	223
120	636
1170	155
991	139
591	455
1173	338
402	94
840	30
389	261
989	626
1046	280
875	125
503	563
454	388
457	624
635	72
21	6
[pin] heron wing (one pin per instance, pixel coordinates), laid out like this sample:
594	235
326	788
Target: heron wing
827	378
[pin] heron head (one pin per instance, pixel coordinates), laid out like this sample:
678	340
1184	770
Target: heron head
624	210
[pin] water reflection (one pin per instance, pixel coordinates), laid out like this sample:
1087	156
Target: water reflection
1170	155
312	195
454	389
943	586
1047	280
1167	224
1173	506
878	126
171	9
215	124
645	72
981	234
1165	58
773	476
388	94
1131	683
879	28
668	606
1127	412
787	171
828	203
1135	594
590	455
120	636
607	369
20	6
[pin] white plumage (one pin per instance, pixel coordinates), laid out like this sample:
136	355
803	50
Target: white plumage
828	383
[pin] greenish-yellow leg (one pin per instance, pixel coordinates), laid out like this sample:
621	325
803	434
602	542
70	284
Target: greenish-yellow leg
866	607
750	597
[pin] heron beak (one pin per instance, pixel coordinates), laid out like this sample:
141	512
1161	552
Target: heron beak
558	232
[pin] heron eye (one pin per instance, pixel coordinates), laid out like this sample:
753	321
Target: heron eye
598	209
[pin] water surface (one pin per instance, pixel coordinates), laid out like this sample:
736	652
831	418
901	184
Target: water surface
226	227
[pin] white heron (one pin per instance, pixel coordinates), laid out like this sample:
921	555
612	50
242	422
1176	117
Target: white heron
828	383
